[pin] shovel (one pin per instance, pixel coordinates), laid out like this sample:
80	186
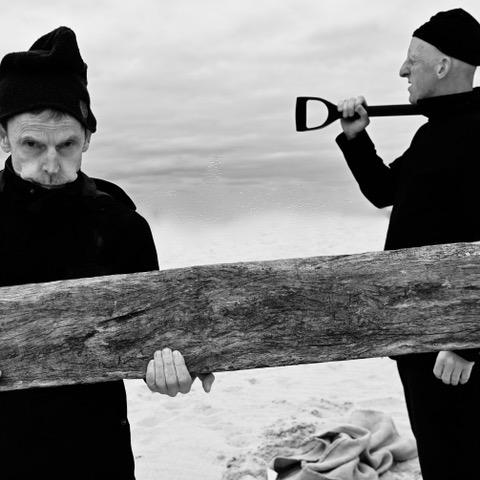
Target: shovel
333	114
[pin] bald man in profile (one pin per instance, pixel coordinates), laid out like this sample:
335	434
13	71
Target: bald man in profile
434	188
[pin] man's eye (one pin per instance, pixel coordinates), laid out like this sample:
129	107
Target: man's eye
32	145
68	144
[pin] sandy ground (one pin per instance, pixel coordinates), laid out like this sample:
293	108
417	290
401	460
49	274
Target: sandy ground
251	416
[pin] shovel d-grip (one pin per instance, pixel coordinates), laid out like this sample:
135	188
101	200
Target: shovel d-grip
334	114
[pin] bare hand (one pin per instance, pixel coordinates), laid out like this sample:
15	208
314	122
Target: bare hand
168	374
451	368
348	108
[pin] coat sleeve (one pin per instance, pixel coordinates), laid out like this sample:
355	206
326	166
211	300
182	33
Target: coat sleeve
470	354
375	179
132	248
138	252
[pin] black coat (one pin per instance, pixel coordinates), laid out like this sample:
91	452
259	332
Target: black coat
88	228
434	185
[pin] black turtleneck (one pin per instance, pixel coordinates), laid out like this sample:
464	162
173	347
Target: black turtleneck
434	186
440	107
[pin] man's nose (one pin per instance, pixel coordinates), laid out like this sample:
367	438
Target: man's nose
51	164
404	71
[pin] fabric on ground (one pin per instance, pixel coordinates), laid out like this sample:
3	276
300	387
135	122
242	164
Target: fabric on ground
363	449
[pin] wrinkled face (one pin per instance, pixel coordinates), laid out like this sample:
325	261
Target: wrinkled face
420	70
45	150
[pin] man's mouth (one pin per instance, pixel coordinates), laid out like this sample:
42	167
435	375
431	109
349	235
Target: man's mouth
48	185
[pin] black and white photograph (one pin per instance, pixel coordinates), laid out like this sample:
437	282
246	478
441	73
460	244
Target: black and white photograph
239	240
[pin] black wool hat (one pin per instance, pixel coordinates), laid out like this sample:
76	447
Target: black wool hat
51	74
455	33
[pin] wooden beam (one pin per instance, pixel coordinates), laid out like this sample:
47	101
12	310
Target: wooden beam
243	315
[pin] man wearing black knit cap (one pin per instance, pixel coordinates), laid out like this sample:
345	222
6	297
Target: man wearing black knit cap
433	188
57	223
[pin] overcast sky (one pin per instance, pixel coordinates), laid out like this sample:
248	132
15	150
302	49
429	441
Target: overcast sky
195	99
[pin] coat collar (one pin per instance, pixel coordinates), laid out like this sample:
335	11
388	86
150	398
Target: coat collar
448	105
10	181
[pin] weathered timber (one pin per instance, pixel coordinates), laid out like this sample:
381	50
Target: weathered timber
244	315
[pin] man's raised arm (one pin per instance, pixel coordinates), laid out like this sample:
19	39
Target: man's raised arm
374	178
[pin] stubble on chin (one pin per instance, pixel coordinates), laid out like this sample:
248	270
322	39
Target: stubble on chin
412	98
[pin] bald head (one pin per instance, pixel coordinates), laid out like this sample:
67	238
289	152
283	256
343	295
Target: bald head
432	73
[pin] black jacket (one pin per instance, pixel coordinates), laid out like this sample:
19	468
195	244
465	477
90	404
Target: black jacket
88	228
434	185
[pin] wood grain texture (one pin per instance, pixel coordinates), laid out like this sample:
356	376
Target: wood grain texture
243	315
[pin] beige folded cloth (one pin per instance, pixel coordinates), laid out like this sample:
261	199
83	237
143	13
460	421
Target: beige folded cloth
363	449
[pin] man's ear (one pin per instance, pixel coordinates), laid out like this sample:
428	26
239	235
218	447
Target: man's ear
4	141
86	143
443	67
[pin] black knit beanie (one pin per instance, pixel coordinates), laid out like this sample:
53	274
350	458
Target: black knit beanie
455	33
51	74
